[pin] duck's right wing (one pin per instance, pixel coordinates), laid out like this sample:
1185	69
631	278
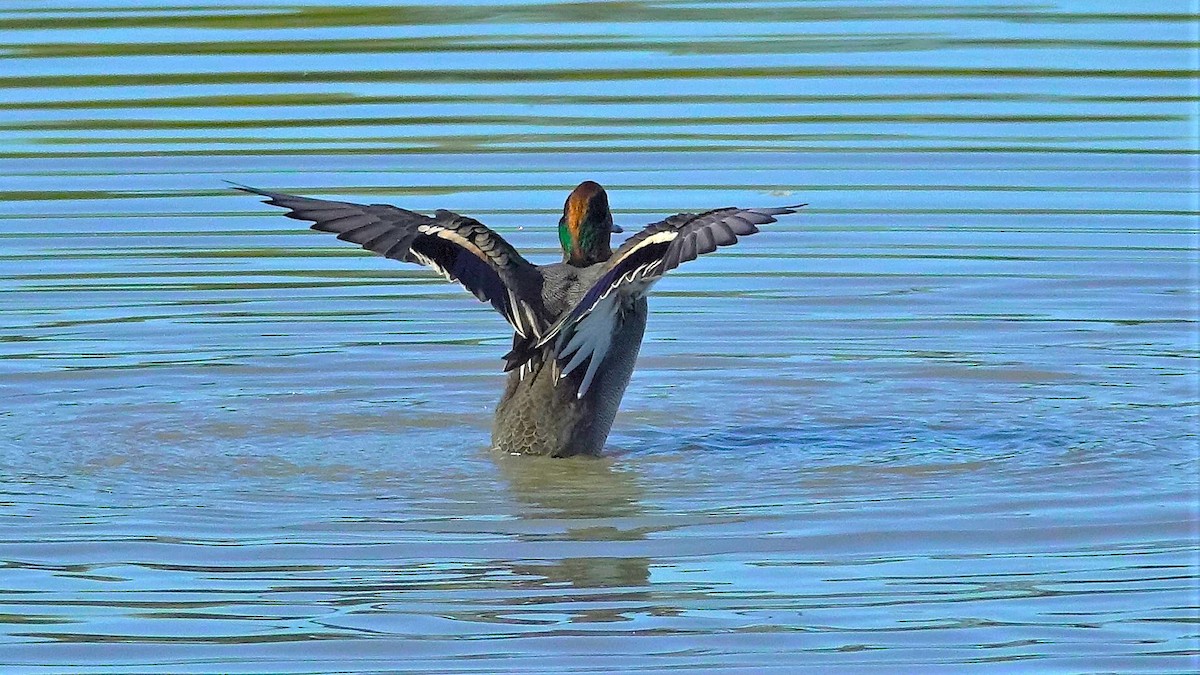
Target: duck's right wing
584	334
461	249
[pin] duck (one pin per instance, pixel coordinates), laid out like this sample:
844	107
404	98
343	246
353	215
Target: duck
577	325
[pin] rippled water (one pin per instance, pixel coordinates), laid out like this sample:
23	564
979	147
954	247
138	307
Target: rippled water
946	416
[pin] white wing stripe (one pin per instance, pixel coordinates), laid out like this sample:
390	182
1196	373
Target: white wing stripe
515	319
530	318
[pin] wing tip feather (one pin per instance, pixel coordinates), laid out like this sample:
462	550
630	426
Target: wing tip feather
252	190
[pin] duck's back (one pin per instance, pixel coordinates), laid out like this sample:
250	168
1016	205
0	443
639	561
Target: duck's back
537	415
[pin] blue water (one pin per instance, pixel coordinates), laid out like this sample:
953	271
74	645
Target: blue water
947	415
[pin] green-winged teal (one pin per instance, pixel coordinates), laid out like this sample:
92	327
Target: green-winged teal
578	324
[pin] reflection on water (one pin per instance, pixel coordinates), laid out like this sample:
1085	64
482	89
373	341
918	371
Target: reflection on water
946	416
586	500
583	488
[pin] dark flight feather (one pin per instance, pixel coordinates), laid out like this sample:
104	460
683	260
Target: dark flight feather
460	248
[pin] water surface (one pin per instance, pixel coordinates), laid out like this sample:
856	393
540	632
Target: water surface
945	416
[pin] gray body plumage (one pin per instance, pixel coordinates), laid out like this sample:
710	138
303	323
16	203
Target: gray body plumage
540	415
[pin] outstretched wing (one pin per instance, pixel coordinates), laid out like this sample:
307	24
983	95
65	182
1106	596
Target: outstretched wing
460	248
584	333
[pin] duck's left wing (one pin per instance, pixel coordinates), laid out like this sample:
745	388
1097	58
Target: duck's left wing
584	334
460	248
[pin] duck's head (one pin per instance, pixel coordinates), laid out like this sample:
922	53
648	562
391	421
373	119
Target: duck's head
586	226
